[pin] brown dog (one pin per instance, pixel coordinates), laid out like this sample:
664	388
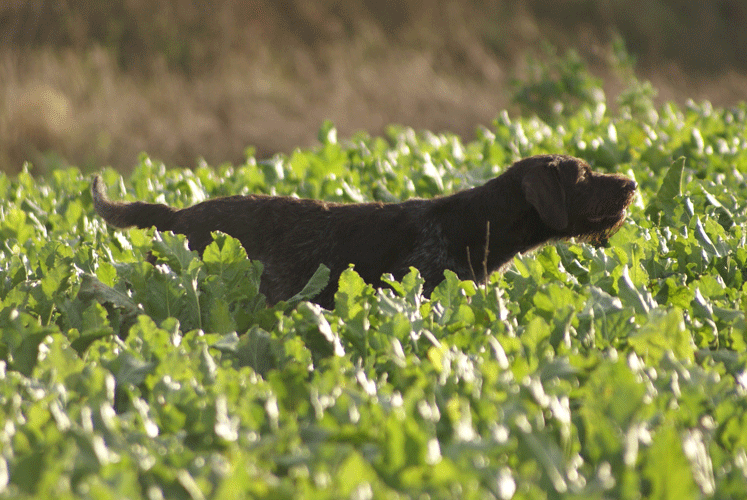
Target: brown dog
537	199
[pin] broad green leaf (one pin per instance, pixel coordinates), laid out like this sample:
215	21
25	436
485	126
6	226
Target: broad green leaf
21	337
127	369
93	289
641	300
354	472
223	250
317	331
350	292
174	250
667	468
228	343
669	193
258	350
663	331
315	285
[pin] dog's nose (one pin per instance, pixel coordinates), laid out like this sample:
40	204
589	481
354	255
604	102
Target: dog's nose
631	185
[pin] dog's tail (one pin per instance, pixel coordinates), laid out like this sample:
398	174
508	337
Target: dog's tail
138	214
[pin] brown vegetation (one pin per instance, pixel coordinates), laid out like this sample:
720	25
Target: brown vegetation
97	83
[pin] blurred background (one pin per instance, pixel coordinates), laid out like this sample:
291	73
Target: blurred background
94	84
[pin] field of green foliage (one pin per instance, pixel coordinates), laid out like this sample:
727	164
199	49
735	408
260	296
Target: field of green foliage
579	372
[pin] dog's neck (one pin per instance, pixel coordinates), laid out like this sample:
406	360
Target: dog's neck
497	210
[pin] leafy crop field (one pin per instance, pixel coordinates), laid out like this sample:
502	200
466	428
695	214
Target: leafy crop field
579	372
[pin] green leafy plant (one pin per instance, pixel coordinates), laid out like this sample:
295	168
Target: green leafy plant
578	372
557	86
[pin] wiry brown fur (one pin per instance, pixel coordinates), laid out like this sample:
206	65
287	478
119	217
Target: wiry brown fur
537	199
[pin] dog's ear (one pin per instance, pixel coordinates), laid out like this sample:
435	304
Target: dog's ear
543	190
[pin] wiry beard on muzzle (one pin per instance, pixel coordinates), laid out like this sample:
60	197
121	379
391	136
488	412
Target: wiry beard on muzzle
600	238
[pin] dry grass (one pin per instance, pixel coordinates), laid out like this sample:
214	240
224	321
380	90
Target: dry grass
88	110
267	74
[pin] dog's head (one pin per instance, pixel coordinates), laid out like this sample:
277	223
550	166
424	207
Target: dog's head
574	201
